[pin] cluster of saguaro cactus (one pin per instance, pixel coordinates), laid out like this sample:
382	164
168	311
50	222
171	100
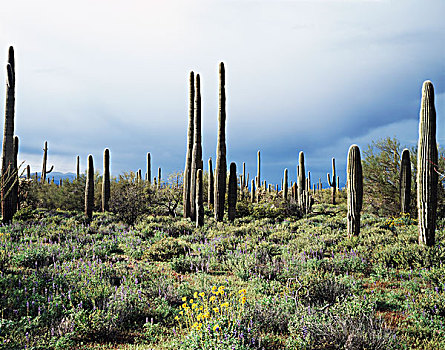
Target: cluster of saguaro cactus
221	163
106	181
8	178
45	172
355	189
89	189
405	182
233	192
188	159
427	159
333	183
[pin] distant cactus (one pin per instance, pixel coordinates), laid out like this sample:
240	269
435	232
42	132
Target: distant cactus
211	189
186	199
148	173
405	182
355	189
285	183
252	191
197	147
221	162
89	189
45	158
233	192
106	181
427	160
77	167
333	183
8	205
28	172
199	199
301	184
258	184
159	178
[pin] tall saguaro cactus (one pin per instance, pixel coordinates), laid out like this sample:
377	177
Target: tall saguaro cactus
186	201
106	181
221	162
426	173
211	188
89	189
77	167
233	192
8	141
301	180
148	173
258	184
197	147
15	187
45	159
285	184
405	182
199	199
355	189
333	183
252	191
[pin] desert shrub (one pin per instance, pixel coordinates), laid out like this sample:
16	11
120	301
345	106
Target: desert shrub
166	249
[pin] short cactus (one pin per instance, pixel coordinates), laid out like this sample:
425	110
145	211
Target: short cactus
89	189
285	184
405	182
427	160
333	183
355	189
233	192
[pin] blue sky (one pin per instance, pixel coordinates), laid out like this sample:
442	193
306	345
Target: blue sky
315	76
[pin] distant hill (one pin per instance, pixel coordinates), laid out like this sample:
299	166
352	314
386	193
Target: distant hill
57	176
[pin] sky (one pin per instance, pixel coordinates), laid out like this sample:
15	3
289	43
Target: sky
311	76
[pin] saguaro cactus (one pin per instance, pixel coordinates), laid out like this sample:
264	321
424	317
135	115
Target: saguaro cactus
221	162
77	167
355	189
258	176
45	158
148	173
252	191
405	182
210	190
301	181
285	182
197	147
333	183
233	192
426	162
8	141
89	189
28	172
186	201
199	199
106	181
15	187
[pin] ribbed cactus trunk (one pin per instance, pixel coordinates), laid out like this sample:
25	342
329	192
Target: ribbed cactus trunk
221	162
197	147
148	173
89	189
8	141
186	200
233	192
258	174
199	199
15	187
285	184
301	180
405	182
211	188
355	189
106	181
427	160
333	183
77	167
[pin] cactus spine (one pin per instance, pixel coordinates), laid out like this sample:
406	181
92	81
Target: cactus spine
199	199
333	183
186	200
405	182
106	181
427	176
45	158
301	185
211	188
197	148
89	189
355	189
221	163
8	141
285	181
233	192
148	173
